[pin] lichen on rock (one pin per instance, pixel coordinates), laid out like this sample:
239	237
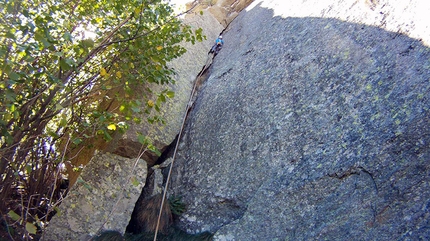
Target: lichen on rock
313	125
103	198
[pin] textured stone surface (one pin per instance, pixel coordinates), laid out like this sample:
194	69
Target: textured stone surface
187	68
104	193
313	128
224	11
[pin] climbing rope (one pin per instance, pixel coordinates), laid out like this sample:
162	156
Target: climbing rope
189	105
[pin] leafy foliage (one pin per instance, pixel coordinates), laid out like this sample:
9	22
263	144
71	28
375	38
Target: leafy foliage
177	206
72	71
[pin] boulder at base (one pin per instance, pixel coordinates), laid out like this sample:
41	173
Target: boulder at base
103	198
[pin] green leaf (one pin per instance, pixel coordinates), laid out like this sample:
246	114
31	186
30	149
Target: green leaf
106	136
87	43
150	120
58	211
170	94
10	35
136	109
142	139
162	98
58	106
63	122
154	149
137	120
41	38
12	108
199	35
67	36
88	186
14	76
28	169
13	215
77	141
64	65
31	228
10	95
7	136
52	134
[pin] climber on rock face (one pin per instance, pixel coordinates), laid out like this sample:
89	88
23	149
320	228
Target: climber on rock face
219	41
217	46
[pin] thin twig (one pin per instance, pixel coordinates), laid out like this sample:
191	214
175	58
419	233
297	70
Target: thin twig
55	179
7	228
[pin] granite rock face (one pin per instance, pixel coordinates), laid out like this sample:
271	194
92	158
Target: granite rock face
103	198
187	67
312	127
224	11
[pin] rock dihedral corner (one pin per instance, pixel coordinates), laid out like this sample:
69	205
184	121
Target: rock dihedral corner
187	67
92	201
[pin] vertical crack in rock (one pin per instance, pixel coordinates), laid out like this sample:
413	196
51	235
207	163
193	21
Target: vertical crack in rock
153	186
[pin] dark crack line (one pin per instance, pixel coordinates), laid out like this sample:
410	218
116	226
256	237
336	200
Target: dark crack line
354	171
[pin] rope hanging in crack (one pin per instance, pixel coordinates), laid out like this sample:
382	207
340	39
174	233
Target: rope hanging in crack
189	105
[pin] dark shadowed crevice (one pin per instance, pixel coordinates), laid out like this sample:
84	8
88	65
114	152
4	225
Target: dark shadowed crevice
148	189
134	226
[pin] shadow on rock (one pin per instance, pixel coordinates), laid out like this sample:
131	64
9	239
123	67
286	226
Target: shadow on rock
314	127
